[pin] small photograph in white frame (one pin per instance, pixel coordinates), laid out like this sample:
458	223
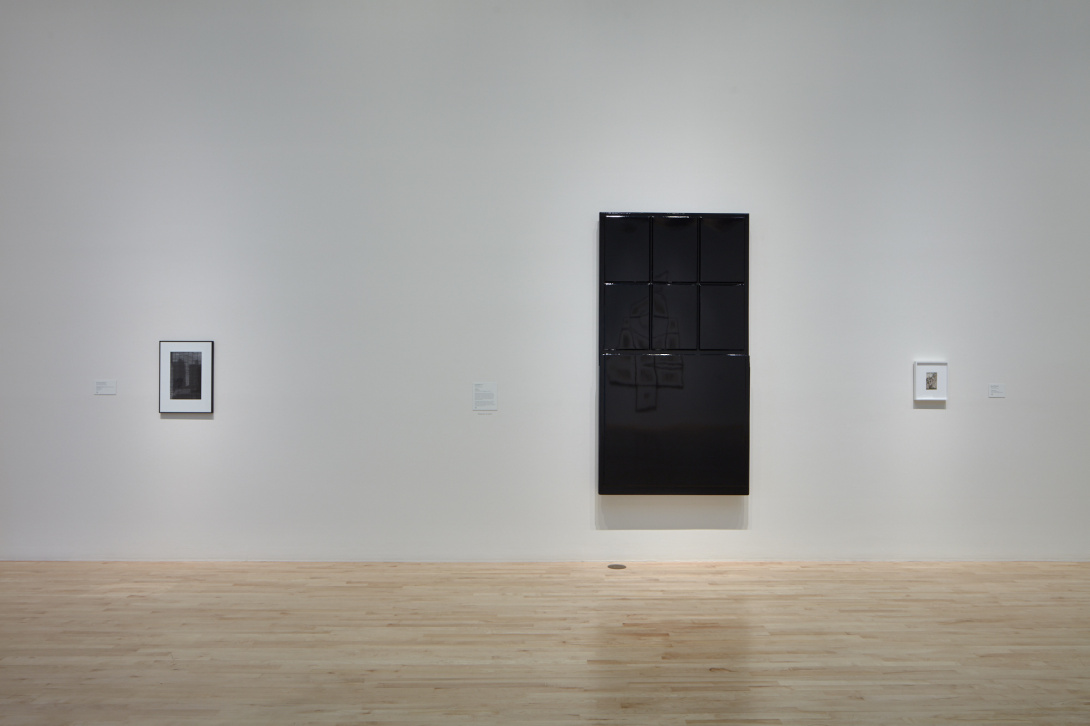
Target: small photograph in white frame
929	381
185	376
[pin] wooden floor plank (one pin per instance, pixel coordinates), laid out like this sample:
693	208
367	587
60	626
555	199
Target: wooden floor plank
1001	644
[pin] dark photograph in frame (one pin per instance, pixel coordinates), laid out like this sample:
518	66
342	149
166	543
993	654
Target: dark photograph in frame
185	376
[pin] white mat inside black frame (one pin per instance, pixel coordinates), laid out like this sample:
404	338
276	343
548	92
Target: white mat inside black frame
185	376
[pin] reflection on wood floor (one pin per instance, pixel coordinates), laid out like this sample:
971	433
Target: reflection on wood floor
665	643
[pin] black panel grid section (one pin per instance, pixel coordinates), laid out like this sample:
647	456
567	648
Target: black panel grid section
673	319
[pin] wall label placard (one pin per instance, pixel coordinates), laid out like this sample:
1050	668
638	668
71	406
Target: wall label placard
486	396
106	387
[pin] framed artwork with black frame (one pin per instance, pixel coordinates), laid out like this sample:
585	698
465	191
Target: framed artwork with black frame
185	376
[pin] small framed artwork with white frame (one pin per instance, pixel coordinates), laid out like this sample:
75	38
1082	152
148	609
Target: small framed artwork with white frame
185	376
929	381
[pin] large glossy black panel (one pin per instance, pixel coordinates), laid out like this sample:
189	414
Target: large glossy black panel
675	315
675	244
674	424
625	248
724	246
624	319
723	318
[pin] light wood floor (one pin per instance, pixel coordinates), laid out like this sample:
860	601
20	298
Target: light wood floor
728	643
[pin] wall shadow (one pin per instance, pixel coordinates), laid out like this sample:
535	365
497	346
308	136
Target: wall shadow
671	512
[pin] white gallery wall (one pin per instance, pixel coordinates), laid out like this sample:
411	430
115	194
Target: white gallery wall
369	206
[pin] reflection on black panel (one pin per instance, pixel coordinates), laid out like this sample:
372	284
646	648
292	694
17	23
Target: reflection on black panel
674	424
674	315
625	249
723	248
624	318
676	245
723	318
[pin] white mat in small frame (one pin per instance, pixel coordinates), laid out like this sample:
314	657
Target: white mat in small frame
185	376
929	381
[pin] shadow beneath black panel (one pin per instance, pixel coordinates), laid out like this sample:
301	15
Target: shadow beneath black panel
671	512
